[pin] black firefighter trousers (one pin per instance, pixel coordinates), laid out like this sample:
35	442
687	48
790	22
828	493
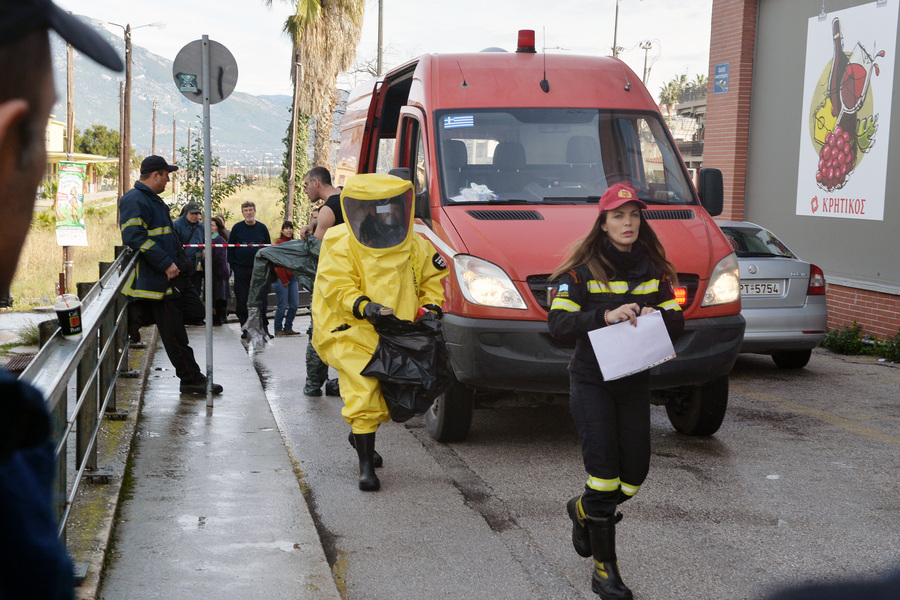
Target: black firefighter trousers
170	316
613	422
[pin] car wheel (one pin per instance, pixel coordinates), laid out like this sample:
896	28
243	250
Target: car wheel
794	359
450	417
700	410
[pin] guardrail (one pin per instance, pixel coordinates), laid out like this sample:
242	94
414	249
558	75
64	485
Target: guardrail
95	359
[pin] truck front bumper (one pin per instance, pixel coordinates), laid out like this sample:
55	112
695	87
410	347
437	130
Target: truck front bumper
521	355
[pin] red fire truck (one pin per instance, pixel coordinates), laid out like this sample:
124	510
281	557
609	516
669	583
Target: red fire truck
509	153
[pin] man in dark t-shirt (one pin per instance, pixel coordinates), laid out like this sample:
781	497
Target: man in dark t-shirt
318	186
248	231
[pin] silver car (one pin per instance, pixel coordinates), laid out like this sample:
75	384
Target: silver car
782	297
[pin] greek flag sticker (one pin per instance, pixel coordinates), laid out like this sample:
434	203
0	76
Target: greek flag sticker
456	121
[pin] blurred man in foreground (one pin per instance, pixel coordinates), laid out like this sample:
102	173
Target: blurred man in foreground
33	561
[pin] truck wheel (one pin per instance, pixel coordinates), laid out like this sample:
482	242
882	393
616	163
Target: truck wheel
794	359
701	409
450	417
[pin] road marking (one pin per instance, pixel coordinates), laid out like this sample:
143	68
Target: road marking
842	422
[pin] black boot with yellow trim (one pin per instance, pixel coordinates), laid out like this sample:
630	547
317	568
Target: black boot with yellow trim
606	580
581	539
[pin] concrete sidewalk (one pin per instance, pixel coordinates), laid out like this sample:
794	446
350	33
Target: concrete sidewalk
214	507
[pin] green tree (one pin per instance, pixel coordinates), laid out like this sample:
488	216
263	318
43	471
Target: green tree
98	140
190	179
668	95
679	89
694	90
301	164
101	141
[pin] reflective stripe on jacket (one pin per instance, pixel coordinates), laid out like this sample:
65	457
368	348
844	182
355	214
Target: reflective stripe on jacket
147	228
581	302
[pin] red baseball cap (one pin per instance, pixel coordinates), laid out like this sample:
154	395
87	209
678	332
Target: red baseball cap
617	195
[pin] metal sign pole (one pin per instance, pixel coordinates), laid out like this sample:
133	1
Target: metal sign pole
207	208
214	58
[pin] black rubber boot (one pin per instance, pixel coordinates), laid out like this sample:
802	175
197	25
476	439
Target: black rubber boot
377	461
220	312
365	449
606	580
581	539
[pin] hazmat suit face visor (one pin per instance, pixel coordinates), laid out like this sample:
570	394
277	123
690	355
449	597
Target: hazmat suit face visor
381	222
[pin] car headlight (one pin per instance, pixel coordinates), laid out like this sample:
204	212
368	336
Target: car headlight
724	283
485	283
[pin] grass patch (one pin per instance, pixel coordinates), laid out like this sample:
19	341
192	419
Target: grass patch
41	260
30	335
850	340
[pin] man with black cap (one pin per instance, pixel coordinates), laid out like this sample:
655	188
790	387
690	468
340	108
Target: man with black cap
34	562
190	231
159	285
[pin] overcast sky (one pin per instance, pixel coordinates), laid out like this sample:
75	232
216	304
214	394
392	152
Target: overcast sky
678	31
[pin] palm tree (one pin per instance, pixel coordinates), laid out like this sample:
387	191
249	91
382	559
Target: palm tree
324	34
668	95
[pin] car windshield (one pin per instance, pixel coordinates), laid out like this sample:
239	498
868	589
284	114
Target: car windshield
749	241
556	156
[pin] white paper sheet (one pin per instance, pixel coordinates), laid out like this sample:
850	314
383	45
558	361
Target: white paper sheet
624	349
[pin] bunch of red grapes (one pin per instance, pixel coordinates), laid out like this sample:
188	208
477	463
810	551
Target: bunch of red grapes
835	160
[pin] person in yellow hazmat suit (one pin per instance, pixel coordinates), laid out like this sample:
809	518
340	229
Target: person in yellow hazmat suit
370	266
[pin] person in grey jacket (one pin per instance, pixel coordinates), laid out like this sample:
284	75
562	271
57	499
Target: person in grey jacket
190	231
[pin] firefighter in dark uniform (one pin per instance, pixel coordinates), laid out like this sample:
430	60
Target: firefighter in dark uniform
159	286
617	272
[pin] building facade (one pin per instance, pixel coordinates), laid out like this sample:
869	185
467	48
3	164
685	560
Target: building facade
784	76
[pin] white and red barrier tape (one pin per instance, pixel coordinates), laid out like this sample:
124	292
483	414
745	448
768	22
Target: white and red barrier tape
228	245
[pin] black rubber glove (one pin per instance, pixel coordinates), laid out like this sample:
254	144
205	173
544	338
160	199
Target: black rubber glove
374	312
428	315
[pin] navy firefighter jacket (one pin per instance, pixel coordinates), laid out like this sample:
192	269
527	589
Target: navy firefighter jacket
147	228
581	302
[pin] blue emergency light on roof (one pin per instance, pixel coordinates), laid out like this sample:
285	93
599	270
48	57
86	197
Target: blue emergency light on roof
526	41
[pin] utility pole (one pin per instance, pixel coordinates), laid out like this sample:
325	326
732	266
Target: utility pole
174	158
70	150
645	46
122	159
153	137
292	160
125	165
615	48
380	33
70	101
126	130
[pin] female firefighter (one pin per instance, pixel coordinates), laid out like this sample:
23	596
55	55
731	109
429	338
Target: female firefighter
617	272
371	263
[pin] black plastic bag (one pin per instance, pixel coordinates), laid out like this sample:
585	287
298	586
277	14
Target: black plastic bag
412	364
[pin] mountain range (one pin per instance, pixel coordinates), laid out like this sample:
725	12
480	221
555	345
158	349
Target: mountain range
245	129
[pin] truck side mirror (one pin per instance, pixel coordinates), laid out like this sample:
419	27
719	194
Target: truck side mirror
401	172
712	191
421	209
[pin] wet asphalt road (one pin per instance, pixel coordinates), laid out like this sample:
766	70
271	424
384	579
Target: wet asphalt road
799	483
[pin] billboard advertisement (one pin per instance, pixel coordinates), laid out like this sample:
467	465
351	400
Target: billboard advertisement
847	93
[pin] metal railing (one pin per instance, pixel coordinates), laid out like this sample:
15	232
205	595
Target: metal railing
95	359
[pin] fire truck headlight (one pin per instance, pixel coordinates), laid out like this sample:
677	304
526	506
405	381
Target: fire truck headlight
485	283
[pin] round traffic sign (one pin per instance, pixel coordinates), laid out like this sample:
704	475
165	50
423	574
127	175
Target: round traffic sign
223	72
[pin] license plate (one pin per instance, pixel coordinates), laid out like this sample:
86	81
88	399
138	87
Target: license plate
761	288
